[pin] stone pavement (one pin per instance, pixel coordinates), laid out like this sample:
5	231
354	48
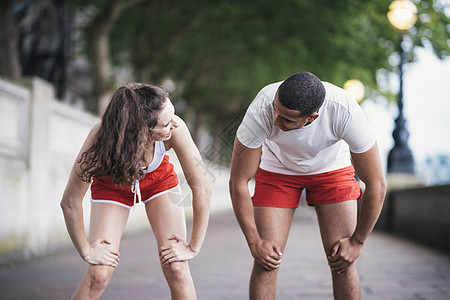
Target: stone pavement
389	267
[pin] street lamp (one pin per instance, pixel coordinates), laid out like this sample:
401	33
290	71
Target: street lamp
402	15
355	88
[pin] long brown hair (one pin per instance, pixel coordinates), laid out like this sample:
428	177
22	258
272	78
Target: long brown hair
120	147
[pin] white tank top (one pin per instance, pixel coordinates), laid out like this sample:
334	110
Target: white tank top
158	156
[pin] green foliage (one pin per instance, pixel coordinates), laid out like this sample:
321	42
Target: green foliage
433	27
220	53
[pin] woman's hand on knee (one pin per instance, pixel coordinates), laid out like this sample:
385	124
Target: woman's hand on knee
101	253
176	250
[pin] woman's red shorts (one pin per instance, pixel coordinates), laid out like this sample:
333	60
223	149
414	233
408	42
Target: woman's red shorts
154	184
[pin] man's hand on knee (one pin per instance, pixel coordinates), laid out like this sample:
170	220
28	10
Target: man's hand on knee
267	254
343	254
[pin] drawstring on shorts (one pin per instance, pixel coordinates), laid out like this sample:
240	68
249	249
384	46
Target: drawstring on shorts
135	189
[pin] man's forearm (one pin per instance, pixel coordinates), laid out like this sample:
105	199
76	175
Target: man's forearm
243	210
371	206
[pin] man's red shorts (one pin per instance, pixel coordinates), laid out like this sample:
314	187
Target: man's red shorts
280	190
154	184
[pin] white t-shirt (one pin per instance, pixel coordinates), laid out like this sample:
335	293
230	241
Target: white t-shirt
319	147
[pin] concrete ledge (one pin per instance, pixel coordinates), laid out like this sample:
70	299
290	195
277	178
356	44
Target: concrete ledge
420	213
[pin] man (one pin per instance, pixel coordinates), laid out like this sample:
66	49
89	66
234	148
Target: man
302	133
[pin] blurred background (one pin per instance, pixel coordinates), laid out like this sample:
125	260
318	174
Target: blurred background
61	60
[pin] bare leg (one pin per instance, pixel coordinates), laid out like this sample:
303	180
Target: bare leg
274	225
166	218
107	221
337	221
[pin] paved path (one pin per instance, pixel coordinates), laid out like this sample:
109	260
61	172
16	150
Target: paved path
390	268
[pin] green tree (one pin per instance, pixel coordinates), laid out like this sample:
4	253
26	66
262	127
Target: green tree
220	52
9	42
97	35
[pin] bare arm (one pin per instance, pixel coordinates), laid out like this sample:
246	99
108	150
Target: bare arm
71	204
369	170
195	174
244	164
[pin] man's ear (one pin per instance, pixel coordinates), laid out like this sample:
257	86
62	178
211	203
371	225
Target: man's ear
312	117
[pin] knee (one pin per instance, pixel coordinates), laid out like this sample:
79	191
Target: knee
99	277
177	273
349	272
259	269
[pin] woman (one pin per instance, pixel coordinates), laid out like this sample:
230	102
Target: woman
124	158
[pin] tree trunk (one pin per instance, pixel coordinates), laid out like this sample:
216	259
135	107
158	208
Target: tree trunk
196	130
98	43
9	42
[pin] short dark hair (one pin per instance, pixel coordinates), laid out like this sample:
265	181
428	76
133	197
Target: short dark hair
303	92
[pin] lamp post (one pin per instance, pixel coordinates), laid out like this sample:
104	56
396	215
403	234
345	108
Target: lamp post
402	15
355	88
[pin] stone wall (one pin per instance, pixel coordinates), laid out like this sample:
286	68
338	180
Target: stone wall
421	214
39	140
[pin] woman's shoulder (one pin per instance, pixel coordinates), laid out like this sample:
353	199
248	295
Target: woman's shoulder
179	134
182	128
95	128
178	119
93	133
